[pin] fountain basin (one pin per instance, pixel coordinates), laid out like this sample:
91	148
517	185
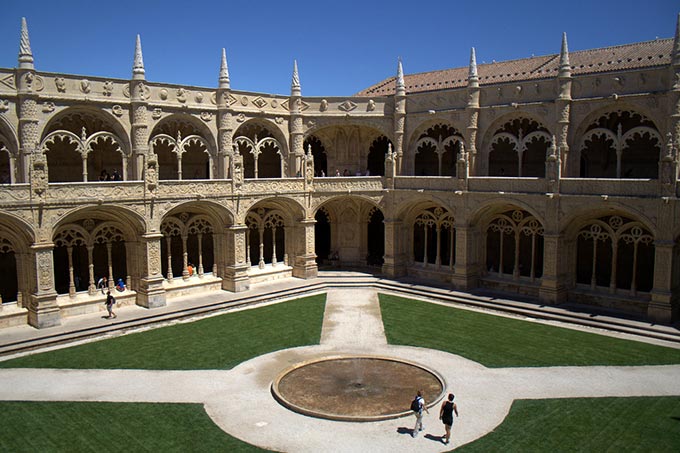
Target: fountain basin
356	388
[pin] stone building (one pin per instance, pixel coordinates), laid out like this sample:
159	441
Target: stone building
553	177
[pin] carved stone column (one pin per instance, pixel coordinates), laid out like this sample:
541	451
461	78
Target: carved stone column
151	293
472	109
466	269
225	128
563	107
295	126
236	277
553	288
664	306
399	119
43	310
394	264
304	265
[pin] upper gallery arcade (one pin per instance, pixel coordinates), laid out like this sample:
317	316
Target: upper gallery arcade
553	177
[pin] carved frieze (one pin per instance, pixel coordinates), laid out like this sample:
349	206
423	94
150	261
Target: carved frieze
347	106
4	105
8	81
107	88
117	110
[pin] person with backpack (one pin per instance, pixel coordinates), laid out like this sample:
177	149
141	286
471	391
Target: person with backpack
110	302
446	416
417	406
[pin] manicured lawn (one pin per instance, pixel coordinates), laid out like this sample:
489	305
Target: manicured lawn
218	342
586	424
495	341
112	427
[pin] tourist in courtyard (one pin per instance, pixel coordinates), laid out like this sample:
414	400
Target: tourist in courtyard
419	402
446	416
120	286
110	302
190	269
102	283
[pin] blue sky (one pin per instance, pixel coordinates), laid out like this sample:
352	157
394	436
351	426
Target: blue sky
341	46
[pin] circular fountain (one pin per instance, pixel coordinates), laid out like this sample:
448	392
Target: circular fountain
356	388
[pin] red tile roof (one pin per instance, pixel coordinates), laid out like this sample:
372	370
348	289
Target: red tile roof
628	56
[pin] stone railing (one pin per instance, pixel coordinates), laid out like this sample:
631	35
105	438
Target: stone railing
621	187
426	183
504	184
95	191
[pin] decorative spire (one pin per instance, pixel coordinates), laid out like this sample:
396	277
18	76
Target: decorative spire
295	85
25	54
401	85
224	71
565	67
473	79
138	67
675	57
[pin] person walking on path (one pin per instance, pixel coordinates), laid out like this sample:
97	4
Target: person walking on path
417	406
446	416
110	302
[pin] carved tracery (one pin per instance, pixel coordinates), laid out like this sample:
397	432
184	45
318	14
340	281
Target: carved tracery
519	148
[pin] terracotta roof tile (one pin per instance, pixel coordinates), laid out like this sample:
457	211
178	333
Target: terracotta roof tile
616	58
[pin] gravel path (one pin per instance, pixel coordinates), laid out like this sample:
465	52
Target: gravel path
240	401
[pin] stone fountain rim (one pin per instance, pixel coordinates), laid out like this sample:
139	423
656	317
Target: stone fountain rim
352	418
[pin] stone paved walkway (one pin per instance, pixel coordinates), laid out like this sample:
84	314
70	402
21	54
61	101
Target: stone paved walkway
240	401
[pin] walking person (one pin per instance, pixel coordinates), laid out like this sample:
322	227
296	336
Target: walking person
446	416
110	302
417	406
102	284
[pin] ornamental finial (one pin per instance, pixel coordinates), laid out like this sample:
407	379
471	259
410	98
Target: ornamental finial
25	54
401	85
473	79
138	66
565	67
224	71
675	57
295	85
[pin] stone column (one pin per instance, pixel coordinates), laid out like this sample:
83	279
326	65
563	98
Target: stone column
151	293
553	288
295	127
663	308
399	120
472	109
394	264
236	277
138	112
466	269
43	310
304	265
563	109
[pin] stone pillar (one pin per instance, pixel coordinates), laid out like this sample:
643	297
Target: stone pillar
43	310
399	119
139	94
295	127
663	308
304	265
236	277
225	127
563	110
472	109
151	293
466	269
553	288
395	260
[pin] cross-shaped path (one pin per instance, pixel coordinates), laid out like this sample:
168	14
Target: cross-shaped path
241	403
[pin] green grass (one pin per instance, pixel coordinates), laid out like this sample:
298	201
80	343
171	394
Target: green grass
218	342
496	341
112	427
585	424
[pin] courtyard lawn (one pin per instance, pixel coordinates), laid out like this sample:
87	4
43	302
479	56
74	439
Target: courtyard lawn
218	342
496	341
585	424
112	427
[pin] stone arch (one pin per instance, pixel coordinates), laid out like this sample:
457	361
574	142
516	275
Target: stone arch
193	242
16	264
185	147
352	225
516	145
353	147
512	240
618	143
613	252
431	237
264	149
314	145
435	149
81	143
272	234
11	161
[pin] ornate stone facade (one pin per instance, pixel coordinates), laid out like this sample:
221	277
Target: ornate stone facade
553	177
